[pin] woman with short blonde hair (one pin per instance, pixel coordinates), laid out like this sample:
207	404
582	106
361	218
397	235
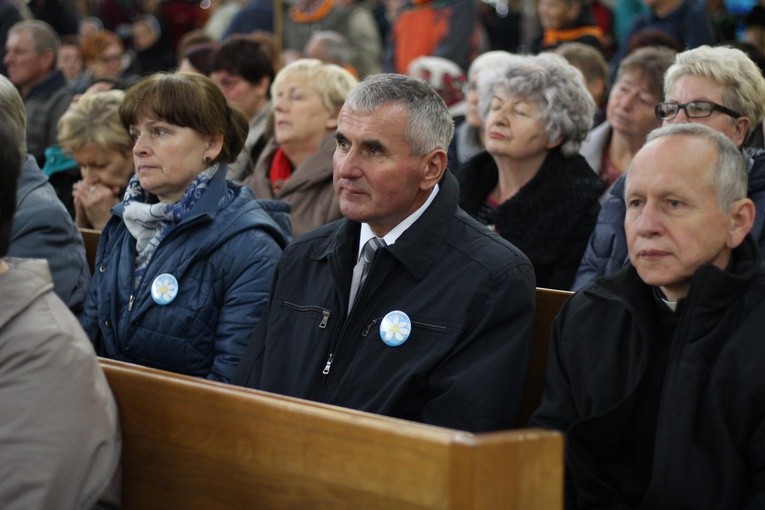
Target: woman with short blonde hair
296	164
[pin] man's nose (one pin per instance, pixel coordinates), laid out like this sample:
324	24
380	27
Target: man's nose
648	222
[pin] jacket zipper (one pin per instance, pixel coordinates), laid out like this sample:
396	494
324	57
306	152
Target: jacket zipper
142	286
325	314
365	332
331	357
432	327
368	327
423	325
329	364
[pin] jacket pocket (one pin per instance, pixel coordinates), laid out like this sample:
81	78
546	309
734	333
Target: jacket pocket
322	314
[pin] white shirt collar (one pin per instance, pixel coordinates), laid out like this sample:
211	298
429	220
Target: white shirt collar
390	238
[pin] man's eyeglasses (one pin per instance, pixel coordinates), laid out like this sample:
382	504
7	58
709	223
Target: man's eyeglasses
693	110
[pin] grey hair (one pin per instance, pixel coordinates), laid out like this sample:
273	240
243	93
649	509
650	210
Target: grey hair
13	114
44	37
335	47
729	177
744	85
490	60
566	106
429	126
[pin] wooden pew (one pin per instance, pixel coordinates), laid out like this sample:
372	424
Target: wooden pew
190	443
548	304
90	237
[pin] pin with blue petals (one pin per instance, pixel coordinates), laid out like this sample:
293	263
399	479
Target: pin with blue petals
164	288
395	328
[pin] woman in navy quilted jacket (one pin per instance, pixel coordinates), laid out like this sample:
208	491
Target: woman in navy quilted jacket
184	265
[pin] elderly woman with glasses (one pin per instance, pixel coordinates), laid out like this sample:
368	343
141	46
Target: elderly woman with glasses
720	87
531	185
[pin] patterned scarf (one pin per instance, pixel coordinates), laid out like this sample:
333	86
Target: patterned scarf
150	223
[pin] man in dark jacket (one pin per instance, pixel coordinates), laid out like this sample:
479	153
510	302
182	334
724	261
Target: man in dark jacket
31	55
439	328
655	373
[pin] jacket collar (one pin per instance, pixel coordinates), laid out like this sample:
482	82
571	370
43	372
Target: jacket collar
711	288
527	219
30	178
316	169
568	179
418	246
48	85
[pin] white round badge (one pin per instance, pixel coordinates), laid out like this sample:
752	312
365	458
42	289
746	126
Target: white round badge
164	288
395	328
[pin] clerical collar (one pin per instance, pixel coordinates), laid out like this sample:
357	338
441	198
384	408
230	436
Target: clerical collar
661	298
672	305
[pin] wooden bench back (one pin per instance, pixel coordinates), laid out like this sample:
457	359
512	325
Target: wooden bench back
190	443
548	304
90	237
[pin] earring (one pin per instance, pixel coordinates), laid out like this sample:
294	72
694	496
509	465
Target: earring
207	159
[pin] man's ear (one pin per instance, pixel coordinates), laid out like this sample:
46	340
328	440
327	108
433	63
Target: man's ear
49	58
435	165
741	221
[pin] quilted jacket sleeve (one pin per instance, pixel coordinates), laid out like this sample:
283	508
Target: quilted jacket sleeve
606	250
247	265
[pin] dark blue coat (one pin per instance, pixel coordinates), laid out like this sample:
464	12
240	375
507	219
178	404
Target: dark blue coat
223	255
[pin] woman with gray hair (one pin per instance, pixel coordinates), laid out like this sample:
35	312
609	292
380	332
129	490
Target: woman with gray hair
468	136
531	185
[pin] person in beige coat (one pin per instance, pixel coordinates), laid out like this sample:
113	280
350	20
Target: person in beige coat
296	164
60	438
